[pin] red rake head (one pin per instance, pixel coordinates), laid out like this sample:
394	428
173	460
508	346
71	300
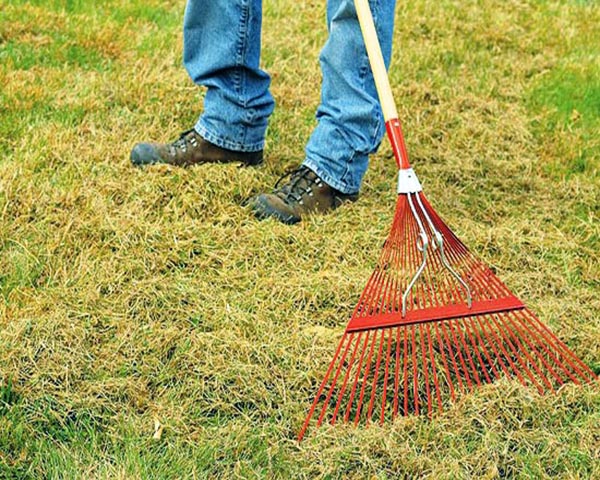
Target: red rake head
432	321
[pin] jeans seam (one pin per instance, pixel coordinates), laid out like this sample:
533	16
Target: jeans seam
241	45
375	8
347	169
241	54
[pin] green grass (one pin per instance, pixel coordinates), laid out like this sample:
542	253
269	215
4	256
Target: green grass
568	98
129	297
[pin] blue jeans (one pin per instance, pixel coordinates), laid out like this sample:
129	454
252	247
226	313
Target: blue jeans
222	53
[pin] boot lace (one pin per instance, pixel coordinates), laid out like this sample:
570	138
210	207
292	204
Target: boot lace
301	182
184	140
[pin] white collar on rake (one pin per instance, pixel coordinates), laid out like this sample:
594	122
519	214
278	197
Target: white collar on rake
408	181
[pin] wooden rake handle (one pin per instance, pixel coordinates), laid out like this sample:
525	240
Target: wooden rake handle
382	83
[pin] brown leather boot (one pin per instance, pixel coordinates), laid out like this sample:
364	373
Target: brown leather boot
190	149
304	193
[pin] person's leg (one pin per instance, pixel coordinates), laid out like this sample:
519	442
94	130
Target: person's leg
350	121
222	53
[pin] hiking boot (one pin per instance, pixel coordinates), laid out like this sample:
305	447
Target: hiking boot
304	193
190	149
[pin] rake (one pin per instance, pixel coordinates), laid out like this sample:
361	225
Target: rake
433	320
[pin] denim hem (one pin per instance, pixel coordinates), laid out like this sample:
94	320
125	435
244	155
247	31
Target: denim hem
328	179
222	142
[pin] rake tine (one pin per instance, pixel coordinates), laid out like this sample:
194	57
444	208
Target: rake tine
517	335
477	352
435	377
345	382
334	381
364	382
547	350
371	292
506	355
425	369
460	356
389	259
375	377
517	356
561	347
452	356
364	304
396	374
491	338
446	368
405	372
415	371
391	286
386	376
351	400
323	383
485	350
468	354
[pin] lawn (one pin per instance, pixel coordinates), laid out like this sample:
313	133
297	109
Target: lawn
151	328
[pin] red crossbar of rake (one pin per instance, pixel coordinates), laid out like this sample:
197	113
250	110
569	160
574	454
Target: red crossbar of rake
433	320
